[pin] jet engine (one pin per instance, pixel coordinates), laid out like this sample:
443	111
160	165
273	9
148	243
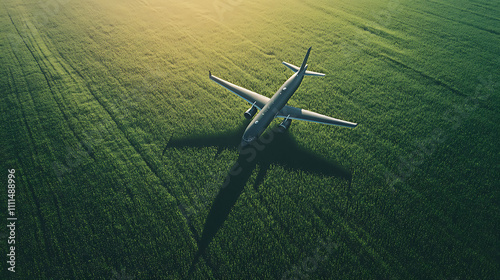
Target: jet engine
250	112
284	125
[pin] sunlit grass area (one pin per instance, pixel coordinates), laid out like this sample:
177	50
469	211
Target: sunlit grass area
94	91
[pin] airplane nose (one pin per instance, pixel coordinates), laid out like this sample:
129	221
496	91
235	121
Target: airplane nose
244	144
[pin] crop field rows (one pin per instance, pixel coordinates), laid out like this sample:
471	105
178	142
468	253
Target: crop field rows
114	129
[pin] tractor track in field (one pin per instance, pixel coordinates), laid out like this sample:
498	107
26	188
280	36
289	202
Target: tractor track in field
393	61
44	59
412	70
456	20
131	142
46	232
122	130
57	94
464	10
33	47
95	96
418	72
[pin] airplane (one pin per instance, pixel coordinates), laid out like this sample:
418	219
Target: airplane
276	107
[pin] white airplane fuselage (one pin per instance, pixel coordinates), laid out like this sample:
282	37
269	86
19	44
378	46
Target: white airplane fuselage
275	107
275	104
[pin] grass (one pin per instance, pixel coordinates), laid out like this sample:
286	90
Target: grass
92	93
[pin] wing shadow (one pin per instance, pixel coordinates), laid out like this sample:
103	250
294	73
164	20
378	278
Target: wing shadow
273	147
227	140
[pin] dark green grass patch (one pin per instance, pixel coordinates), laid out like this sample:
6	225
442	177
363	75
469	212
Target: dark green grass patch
99	99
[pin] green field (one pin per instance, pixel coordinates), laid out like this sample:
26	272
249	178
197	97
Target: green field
99	97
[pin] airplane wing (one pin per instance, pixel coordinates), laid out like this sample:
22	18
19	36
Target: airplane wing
250	96
305	115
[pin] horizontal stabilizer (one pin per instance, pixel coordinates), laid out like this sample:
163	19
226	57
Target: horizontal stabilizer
308	73
311	73
291	66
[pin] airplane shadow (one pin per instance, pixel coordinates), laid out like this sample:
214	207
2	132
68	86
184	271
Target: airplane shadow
273	147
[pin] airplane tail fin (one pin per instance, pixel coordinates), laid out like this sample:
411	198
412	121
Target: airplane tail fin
303	67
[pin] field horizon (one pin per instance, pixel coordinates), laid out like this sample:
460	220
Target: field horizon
125	152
